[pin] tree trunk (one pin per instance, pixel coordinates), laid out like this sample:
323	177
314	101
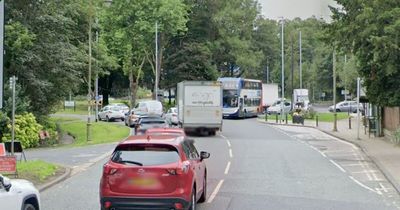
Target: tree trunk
132	87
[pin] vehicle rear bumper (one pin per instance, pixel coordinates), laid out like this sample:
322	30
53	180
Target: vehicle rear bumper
119	203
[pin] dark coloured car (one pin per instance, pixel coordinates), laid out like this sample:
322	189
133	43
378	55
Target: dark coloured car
154	172
146	122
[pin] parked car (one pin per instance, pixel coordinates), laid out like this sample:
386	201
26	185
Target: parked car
276	108
149	108
146	122
123	107
154	172
111	113
17	194
172	116
346	106
165	131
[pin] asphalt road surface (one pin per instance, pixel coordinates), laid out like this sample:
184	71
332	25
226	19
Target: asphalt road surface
258	166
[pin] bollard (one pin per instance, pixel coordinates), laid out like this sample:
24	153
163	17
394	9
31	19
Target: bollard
349	122
316	120
276	116
286	118
266	117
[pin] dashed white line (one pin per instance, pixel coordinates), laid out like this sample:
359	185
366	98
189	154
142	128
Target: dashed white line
227	167
229	143
215	192
362	185
230	153
223	136
337	165
353	164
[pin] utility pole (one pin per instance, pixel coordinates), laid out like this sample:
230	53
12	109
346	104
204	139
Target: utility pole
291	40
156	81
88	133
358	107
13	80
283	71
334	93
96	83
267	71
1	50
301	62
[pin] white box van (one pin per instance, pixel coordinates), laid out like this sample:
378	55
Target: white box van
148	108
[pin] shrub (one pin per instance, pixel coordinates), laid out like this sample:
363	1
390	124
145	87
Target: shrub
397	136
26	130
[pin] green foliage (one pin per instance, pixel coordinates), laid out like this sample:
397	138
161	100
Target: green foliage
36	171
26	130
22	102
370	30
397	136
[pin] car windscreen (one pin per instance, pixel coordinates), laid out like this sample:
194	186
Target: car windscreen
145	155
115	108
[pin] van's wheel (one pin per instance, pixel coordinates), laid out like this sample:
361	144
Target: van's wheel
28	206
193	201
98	117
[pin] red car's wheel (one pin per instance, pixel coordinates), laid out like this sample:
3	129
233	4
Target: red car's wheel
204	193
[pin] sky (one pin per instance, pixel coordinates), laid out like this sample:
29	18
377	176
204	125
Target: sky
290	9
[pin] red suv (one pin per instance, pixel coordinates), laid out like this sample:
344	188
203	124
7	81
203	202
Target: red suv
154	172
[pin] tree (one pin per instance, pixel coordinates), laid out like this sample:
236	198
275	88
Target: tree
131	28
370	30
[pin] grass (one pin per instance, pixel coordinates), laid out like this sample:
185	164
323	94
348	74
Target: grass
102	132
37	171
328	117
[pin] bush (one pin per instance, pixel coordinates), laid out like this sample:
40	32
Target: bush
26	130
397	136
310	114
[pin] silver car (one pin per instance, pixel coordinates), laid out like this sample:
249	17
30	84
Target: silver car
172	116
346	106
111	113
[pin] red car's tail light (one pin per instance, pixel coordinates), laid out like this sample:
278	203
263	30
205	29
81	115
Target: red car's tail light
183	168
109	170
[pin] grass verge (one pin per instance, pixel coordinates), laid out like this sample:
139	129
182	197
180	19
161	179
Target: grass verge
328	117
38	171
101	132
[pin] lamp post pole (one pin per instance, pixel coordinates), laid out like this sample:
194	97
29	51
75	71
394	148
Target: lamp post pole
283	71
300	66
1	50
334	93
156	81
88	131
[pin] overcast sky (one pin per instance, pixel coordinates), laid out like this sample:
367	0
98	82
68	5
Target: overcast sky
290	9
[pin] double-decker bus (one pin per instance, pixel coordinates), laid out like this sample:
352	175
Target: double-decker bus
241	97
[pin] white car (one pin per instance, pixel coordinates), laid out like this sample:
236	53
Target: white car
122	106
172	116
17	194
277	107
110	113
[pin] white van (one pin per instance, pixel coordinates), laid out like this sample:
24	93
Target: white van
148	107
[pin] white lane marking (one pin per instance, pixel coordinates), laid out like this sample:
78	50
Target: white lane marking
229	143
215	192
337	165
230	153
339	151
227	167
224	137
314	148
351	165
383	188
378	191
364	171
362	185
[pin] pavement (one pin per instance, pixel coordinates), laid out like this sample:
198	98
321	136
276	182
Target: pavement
384	153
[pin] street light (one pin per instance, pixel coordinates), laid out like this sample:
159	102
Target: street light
283	70
1	50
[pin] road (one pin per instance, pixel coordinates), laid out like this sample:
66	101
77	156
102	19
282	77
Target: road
258	166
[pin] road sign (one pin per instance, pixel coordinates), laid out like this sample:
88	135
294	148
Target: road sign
8	164
69	103
2	149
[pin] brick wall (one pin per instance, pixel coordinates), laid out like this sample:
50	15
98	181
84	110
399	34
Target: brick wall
391	119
